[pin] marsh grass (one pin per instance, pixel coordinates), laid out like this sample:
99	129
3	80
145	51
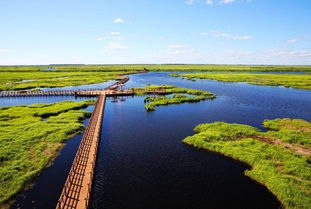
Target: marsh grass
13	78
13	81
179	95
31	137
287	80
293	131
286	174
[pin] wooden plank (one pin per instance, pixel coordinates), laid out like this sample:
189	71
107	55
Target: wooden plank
77	189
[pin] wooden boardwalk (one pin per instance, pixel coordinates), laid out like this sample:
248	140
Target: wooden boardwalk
77	189
76	193
35	93
95	92
122	81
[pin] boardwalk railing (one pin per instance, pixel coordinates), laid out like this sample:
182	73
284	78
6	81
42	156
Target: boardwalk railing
35	93
76	193
78	186
122	81
89	92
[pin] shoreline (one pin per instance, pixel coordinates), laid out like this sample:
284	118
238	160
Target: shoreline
283	172
51	150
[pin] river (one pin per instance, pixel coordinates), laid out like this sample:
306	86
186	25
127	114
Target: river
142	162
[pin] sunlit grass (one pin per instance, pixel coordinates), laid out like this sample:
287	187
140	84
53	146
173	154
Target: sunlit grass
179	95
31	137
31	77
19	78
286	174
299	81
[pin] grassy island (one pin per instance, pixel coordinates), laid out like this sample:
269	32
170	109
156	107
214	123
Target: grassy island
30	139
31	77
299	81
280	158
179	95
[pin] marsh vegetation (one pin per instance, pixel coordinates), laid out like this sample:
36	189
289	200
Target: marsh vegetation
31	137
279	157
299	81
14	77
285	172
176	95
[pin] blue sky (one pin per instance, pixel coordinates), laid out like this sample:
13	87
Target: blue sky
155	31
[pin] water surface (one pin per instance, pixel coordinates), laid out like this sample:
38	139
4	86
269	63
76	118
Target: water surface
142	162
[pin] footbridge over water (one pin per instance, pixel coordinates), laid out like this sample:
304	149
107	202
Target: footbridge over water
78	186
76	193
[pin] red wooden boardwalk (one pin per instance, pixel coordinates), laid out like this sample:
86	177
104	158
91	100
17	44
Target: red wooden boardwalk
78	186
77	189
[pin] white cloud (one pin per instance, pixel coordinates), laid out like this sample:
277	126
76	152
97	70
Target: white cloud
112	35
226	1
174	46
224	35
292	40
4	51
189	1
116	45
173	52
230	55
241	37
173	55
118	20
103	38
210	2
203	34
118	37
115	33
232	37
285	53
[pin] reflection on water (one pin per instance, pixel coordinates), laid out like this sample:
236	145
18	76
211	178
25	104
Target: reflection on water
48	186
81	87
12	101
142	162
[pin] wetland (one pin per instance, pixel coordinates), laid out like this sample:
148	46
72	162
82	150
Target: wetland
143	163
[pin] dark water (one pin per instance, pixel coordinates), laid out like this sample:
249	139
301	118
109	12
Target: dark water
48	187
142	162
12	101
45	191
82	87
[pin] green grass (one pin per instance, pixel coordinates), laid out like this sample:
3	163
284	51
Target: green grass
293	131
298	81
286	174
20	78
31	137
31	77
180	95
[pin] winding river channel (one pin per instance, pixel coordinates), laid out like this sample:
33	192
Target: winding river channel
142	162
